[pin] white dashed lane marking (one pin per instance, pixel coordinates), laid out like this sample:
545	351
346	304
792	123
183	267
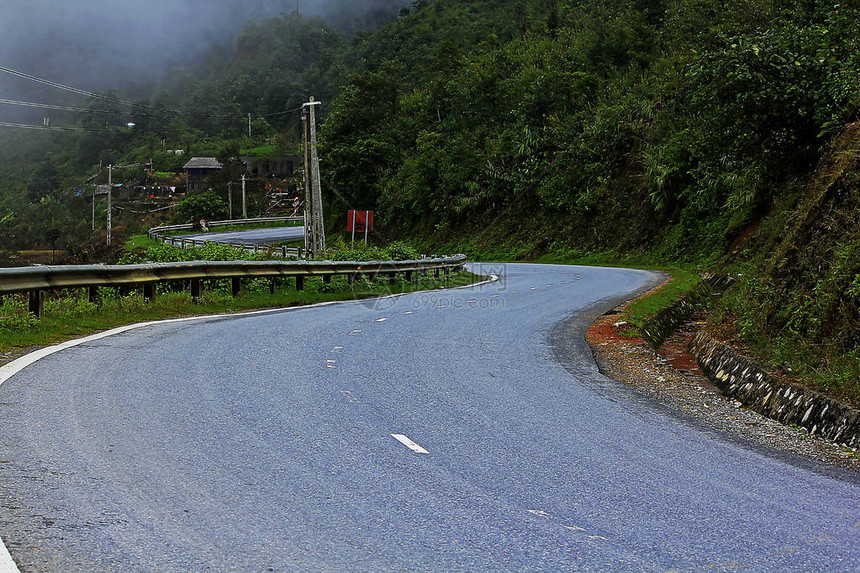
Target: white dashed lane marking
538	512
574	528
409	444
383	319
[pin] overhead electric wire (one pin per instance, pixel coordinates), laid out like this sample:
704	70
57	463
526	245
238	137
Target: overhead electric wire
53	106
281	112
162	111
84	129
78	91
42	127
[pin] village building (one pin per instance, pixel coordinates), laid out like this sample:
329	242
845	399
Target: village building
197	172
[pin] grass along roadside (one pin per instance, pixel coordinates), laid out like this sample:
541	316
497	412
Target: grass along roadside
68	314
679	284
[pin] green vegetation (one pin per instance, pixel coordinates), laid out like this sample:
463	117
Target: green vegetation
681	283
70	315
261	150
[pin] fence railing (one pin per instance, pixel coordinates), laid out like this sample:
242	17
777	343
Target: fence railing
160	234
35	280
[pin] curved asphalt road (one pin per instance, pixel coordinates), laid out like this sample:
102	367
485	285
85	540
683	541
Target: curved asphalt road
251	236
263	443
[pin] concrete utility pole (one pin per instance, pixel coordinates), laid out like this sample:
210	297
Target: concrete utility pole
244	204
308	212
110	189
230	198
317	223
249	126
93	229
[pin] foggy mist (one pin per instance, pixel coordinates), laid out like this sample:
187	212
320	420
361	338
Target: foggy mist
100	45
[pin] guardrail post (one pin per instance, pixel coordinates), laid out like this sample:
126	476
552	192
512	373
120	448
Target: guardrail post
92	293
182	243
149	292
350	279
272	282
409	276
237	286
300	282
196	289
284	252
447	273
327	279
37	298
435	273
392	278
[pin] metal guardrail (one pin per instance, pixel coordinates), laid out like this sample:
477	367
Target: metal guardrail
282	252
156	232
37	279
159	234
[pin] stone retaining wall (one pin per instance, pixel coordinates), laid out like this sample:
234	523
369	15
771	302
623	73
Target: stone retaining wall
661	326
742	379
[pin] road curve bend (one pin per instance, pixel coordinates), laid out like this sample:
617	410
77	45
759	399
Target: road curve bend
265	236
461	430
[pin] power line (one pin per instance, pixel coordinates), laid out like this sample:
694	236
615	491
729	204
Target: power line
52	106
282	112
83	129
87	93
43	127
57	85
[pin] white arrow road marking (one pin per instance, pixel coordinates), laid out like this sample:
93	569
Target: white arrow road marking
409	444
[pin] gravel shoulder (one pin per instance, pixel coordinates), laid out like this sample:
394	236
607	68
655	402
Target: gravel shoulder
671	377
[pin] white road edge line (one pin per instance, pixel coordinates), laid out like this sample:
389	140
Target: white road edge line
409	444
7	564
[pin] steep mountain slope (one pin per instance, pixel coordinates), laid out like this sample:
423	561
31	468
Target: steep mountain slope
798	303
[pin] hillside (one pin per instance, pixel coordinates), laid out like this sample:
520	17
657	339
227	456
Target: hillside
798	302
664	126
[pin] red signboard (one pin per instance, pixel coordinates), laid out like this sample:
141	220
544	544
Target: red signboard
359	221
